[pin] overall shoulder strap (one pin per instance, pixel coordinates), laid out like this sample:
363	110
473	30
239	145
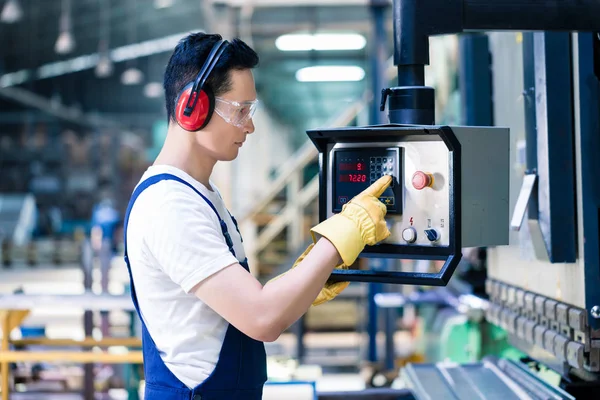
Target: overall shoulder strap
136	193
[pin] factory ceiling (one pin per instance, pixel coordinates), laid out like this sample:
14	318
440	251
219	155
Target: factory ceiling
141	33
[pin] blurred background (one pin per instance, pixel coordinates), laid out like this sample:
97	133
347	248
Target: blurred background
82	116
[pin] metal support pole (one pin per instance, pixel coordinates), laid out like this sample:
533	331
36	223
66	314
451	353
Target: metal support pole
87	265
586	94
5	366
372	325
300	329
105	256
378	57
131	376
373	310
390	329
475	80
295	229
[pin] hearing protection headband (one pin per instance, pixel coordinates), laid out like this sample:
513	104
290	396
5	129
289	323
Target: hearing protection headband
204	73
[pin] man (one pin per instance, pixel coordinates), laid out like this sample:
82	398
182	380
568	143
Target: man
204	316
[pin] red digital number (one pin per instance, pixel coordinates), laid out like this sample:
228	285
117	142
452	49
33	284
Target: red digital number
353	178
351	166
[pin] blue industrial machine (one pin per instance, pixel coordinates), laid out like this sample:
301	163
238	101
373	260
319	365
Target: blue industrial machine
531	196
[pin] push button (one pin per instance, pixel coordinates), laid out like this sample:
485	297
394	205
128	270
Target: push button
421	180
409	235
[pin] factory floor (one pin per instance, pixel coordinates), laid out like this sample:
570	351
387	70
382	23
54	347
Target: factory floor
344	352
327	383
60	396
333	359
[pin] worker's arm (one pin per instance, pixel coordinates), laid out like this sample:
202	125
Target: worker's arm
264	312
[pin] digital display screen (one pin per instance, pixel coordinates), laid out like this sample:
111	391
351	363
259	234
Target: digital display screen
358	166
353	177
356	169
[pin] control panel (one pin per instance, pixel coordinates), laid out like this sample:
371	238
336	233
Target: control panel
449	191
356	169
417	200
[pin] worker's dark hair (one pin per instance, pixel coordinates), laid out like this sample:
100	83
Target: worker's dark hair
189	56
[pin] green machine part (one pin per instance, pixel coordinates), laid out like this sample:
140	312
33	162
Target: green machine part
453	336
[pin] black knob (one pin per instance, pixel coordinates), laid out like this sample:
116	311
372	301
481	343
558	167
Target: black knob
432	235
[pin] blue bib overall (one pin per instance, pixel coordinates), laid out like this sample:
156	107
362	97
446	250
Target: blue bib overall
241	370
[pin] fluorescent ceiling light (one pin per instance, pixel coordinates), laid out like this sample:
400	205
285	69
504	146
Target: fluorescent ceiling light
320	41
330	73
11	12
14	78
153	90
132	76
163	3
104	68
65	43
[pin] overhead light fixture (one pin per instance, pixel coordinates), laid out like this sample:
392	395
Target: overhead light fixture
330	73
65	43
132	76
104	68
11	12
153	90
163	3
320	41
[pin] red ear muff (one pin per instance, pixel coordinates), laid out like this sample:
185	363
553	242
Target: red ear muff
193	117
201	113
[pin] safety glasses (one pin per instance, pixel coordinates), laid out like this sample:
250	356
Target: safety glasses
235	113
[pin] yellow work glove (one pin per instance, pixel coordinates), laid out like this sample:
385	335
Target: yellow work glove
330	290
360	223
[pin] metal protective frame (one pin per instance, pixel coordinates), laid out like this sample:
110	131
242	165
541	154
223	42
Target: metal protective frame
451	253
586	71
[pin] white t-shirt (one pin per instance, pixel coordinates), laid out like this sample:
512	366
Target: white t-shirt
174	241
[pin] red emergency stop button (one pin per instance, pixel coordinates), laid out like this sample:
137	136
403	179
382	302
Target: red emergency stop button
421	180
